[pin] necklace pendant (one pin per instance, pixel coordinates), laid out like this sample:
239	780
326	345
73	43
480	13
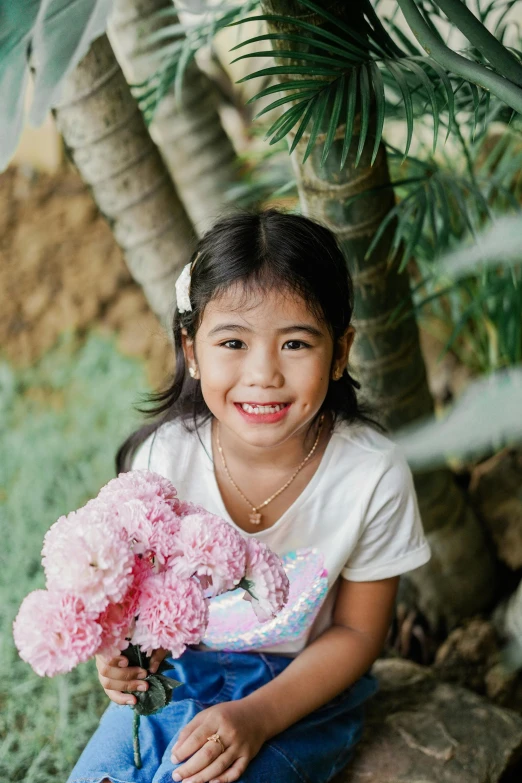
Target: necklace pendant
255	518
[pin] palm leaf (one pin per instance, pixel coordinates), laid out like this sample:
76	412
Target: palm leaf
380	107
317	121
348	44
364	87
415	229
336	110
475	308
181	42
414	66
55	35
435	205
407	44
364	41
286	121
303	124
395	71
350	114
344	66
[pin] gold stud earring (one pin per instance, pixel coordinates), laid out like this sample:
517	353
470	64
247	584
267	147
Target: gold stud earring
193	373
338	374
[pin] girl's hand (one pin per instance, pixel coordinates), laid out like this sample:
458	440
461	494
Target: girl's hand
242	733
118	679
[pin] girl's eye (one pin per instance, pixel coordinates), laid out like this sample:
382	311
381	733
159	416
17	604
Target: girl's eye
234	345
295	345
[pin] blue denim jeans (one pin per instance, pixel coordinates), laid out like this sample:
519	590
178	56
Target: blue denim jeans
312	750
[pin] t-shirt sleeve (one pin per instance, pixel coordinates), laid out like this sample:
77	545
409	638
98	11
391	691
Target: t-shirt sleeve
392	540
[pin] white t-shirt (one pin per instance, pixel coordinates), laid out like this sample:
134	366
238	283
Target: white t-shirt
357	519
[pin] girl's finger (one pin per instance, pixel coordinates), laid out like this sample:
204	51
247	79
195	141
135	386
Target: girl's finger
126	686
194	742
156	658
232	773
206	763
103	660
119	697
182	736
115	673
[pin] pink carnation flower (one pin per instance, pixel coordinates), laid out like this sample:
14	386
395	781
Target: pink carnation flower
151	526
146	506
143	485
119	619
172	614
85	554
54	633
268	584
186	508
212	550
117	623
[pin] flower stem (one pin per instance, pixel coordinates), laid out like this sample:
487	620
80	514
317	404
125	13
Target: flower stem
136	740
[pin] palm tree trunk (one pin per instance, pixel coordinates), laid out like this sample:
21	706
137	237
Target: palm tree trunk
106	136
196	149
459	580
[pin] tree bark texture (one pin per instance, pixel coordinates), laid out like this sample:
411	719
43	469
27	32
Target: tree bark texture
106	136
195	147
459	579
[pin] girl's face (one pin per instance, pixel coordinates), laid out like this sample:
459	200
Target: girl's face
264	363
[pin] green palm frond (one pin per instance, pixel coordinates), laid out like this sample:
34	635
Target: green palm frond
497	160
487	316
337	75
502	75
349	73
436	205
476	291
174	46
481	315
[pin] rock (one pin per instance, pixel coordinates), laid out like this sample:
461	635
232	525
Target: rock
502	685
496	493
467	654
419	730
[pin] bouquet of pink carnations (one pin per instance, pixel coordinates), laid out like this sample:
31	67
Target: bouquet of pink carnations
133	570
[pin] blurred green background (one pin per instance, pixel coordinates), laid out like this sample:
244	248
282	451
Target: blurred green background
60	423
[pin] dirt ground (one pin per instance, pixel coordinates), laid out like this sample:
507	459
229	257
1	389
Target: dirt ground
61	269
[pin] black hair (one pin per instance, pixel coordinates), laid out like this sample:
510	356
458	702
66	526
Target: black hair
258	250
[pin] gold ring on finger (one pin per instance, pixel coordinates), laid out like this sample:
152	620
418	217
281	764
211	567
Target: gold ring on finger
216	738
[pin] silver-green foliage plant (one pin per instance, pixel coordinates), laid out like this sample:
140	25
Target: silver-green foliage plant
49	38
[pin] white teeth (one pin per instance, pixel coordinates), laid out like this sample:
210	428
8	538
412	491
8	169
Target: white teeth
261	408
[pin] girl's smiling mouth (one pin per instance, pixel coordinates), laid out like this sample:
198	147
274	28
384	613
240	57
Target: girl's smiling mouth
266	413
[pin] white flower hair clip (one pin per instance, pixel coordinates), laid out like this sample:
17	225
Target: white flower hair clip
183	288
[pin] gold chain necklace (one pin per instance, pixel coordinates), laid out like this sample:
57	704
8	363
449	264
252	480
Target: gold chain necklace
255	517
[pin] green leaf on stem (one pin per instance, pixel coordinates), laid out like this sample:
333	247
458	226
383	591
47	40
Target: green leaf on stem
160	690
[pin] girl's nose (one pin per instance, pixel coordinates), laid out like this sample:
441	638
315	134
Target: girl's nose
262	369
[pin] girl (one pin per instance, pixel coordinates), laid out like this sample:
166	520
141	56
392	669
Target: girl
262	426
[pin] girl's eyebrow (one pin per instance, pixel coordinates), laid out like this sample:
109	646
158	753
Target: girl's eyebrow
228	328
307	328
